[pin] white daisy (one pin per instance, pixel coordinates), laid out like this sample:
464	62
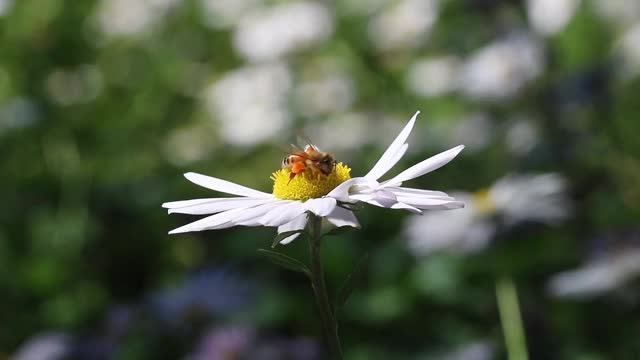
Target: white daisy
509	201
324	196
597	276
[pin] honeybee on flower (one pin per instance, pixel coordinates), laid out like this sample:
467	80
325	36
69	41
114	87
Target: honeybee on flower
311	159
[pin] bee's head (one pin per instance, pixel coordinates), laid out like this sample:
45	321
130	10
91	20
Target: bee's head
326	164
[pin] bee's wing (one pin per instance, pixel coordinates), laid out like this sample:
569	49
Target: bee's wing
295	148
304	139
289	149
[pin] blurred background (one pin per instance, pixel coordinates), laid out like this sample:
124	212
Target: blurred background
105	103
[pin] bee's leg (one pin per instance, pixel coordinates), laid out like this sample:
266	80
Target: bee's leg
295	169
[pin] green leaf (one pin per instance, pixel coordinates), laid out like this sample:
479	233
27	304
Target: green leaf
350	283
285	261
339	231
283	235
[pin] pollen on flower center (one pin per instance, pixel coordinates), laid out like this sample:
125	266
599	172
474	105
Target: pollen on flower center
308	185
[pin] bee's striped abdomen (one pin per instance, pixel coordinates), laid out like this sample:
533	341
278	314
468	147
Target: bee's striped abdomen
289	160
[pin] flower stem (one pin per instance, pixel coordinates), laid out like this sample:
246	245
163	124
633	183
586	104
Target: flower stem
511	320
329	323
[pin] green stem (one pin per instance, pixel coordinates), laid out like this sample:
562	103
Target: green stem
511	320
320	289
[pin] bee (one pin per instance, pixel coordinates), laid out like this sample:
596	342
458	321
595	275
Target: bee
309	159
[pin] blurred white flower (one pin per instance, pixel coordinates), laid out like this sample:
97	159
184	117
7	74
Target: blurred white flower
80	85
230	342
18	112
189	144
463	231
549	17
502	68
433	76
5	6
226	13
531	197
511	200
474	130
250	103
268	34
620	12
45	346
405	24
521	136
628	50
125	17
597	277
479	350
333	92
344	131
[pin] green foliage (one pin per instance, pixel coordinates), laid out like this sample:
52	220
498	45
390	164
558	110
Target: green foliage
285	261
350	283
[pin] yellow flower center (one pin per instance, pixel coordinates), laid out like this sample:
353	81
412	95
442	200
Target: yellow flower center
308	184
483	202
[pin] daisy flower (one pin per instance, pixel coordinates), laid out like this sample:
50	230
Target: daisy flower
611	266
326	196
511	200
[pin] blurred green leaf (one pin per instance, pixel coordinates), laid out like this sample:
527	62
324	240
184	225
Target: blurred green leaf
351	282
285	261
339	231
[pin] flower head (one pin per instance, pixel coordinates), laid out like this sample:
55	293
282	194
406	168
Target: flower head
318	194
509	201
612	263
307	185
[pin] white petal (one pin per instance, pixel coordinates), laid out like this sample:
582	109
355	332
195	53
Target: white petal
239	216
252	216
403	206
212	206
422	202
210	222
384	194
341	192
185	203
415	197
383	200
385	164
394	152
224	186
373	200
343	217
321	207
411	191
298	223
283	214
423	167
